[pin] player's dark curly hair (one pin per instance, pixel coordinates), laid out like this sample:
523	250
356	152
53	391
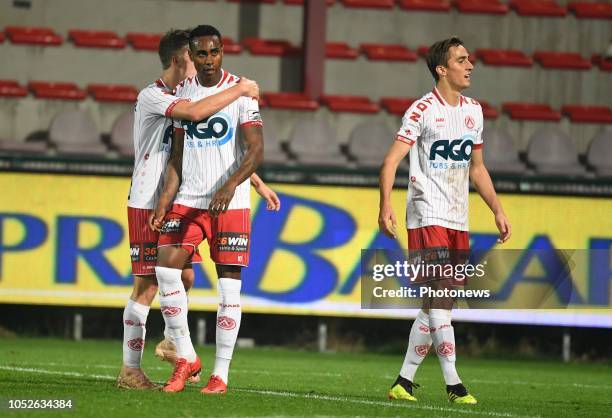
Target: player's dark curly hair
172	42
203	30
438	54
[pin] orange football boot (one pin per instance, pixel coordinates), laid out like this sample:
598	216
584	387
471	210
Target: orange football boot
183	370
215	385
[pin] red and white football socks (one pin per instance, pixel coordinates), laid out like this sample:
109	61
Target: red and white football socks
173	305
134	320
443	336
418	346
229	314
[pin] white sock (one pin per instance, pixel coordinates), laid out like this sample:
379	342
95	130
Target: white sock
418	346
443	336
228	324
134	320
173	304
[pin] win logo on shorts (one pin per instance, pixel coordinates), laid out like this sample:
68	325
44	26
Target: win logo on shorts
171	226
232	242
135	252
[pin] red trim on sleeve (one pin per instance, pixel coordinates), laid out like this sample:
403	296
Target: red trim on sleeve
476	146
252	122
404	140
172	105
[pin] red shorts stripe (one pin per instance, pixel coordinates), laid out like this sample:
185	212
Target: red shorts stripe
434	236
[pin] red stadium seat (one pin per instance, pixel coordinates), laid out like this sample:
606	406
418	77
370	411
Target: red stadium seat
393	52
274	47
503	57
11	88
252	1
113	92
355	104
531	111
32	36
584	10
396	105
230	46
340	50
301	2
144	41
488	111
96	39
294	101
494	7
422	51
427	5
604	65
1	37
588	114
369	4
543	8
53	90
562	60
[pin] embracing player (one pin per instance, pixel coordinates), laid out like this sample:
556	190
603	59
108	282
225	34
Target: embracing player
155	106
210	171
443	132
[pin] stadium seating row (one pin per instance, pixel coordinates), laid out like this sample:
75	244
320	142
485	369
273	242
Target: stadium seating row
297	101
313	142
334	50
542	8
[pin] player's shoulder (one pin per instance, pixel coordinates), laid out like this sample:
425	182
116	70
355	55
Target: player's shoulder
186	85
152	90
420	106
228	79
470	101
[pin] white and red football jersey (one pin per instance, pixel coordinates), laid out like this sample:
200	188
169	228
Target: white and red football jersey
442	138
152	139
212	153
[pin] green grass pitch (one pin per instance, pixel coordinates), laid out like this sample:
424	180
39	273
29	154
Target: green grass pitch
283	382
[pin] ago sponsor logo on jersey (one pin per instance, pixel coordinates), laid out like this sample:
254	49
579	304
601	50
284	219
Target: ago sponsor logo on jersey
214	131
445	154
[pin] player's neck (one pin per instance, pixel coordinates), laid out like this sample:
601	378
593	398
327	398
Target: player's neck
210	81
450	95
170	78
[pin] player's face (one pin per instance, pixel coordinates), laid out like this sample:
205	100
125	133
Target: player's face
207	56
459	68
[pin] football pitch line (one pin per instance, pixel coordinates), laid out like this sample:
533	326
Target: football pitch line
468	411
328	374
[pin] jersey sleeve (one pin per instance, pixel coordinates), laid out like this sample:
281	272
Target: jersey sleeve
157	102
478	143
249	112
412	125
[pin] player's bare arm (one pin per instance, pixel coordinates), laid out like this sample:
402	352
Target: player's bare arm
172	181
387	222
272	200
196	111
253	138
484	186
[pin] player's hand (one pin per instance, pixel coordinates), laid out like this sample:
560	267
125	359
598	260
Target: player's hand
272	200
221	200
387	221
249	87
504	227
156	218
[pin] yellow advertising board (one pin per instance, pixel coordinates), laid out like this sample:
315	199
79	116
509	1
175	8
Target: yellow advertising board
63	241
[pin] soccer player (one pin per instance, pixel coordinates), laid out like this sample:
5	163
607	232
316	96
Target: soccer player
210	171
443	132
152	135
